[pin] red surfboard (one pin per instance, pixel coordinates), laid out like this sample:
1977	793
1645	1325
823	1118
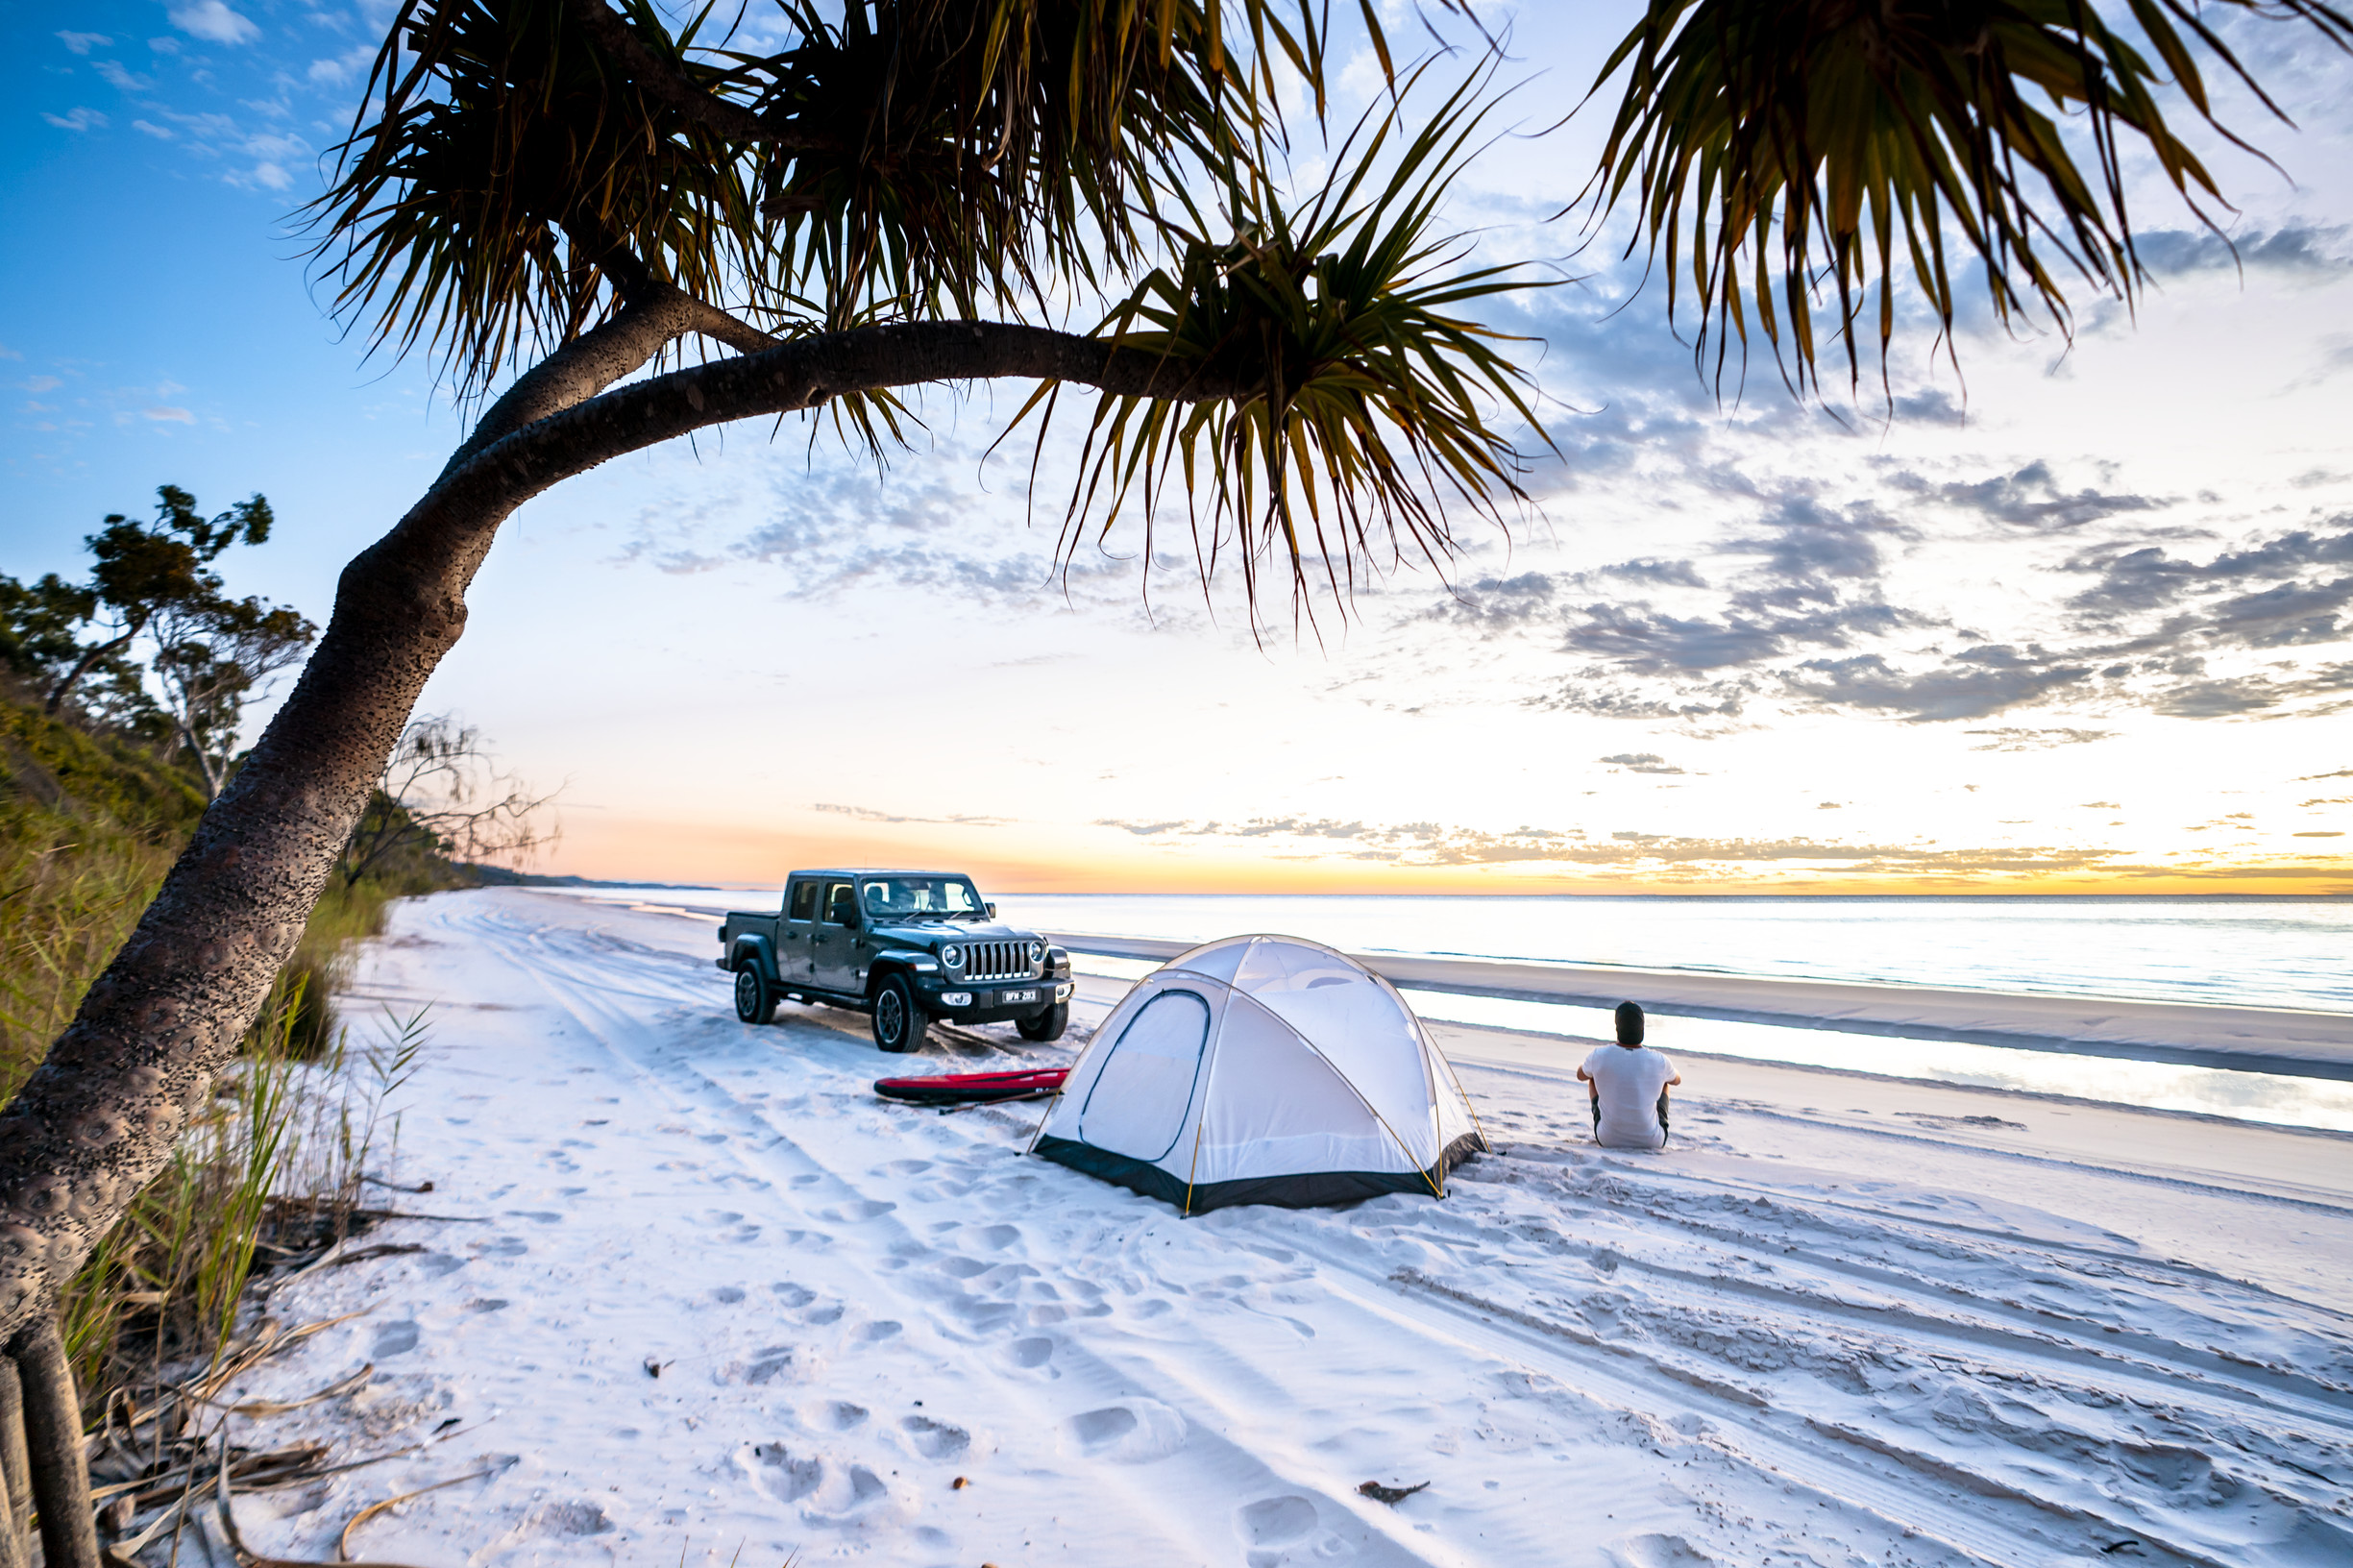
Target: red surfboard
972	1088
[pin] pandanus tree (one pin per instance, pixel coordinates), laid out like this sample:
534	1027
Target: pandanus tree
615	231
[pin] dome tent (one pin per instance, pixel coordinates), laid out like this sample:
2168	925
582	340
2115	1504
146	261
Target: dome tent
1261	1069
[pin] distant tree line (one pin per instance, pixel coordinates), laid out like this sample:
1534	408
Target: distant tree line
150	645
152	648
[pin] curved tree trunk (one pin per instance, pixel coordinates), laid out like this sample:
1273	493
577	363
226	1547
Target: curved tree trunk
98	1118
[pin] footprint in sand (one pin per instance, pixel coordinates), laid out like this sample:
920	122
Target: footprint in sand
394	1339
727	1294
883	1329
960	1269
934	1439
769	1364
793	1295
783	1475
1275	1521
568	1519
1133	1432
996	1238
1652	1550
1031	1353
841	1415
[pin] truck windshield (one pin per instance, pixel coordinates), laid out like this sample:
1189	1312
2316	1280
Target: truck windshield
921	897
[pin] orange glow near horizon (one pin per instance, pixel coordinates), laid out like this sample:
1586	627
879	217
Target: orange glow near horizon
1025	858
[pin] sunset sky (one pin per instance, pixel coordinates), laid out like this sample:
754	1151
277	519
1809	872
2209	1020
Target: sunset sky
2083	623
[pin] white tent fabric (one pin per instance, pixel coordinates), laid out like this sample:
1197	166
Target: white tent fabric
1262	1069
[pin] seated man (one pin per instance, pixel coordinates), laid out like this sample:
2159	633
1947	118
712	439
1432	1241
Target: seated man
1630	1083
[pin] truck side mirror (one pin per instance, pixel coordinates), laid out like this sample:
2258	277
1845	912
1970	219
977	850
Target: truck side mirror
991	909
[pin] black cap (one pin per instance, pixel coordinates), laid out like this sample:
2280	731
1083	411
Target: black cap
1630	1023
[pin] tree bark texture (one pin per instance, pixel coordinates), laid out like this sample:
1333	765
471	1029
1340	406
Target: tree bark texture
60	1471
15	1475
97	1121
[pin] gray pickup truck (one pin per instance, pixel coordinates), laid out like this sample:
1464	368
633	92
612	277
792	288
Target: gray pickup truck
905	946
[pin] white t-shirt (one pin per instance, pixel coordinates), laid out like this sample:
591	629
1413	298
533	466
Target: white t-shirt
1630	1082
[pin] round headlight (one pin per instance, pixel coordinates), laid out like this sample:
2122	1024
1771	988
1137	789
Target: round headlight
952	956
1037	952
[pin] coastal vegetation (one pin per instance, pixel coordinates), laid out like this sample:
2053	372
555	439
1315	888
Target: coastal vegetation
554	196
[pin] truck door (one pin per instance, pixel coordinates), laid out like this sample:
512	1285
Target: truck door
833	942
794	930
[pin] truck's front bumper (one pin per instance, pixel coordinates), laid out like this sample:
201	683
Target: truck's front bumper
993	1002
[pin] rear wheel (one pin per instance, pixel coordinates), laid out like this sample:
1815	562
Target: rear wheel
755	999
898	1022
1047	1025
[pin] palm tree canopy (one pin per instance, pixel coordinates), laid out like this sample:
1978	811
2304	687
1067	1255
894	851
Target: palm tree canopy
522	169
1784	155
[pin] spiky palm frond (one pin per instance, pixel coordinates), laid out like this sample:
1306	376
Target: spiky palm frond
978	154
1369	396
901	159
512	175
1773	147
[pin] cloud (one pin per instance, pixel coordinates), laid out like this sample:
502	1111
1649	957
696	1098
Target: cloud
77	119
1640	762
113	72
867	813
2036	739
341	67
1975	683
82	43
2029	498
1644	642
2294	250
213	21
2147	581
1665	574
2341	772
156	131
2239	695
2317	835
1499	601
1631	850
168	416
1618	702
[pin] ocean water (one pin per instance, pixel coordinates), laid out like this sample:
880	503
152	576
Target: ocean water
2243	952
2240	952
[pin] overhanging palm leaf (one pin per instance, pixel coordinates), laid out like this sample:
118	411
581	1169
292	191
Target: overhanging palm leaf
516	161
1371	398
1773	146
514	184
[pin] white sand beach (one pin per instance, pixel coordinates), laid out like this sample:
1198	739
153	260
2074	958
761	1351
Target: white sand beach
1839	1320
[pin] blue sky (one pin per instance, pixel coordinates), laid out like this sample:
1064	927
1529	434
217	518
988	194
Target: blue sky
2081	621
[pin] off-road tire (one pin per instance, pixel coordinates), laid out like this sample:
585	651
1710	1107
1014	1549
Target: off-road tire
1047	1025
898	1021
755	999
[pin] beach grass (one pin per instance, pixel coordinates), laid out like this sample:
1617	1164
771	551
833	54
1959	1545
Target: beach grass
272	1171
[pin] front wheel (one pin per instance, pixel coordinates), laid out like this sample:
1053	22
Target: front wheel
898	1023
755	999
1047	1025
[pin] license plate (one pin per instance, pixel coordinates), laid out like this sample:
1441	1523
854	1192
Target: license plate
1010	998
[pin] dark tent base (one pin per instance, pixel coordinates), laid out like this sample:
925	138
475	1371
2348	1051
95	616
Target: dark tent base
1307	1190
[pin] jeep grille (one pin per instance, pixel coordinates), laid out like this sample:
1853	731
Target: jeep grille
997	961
